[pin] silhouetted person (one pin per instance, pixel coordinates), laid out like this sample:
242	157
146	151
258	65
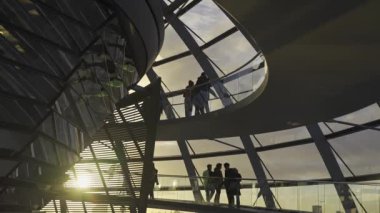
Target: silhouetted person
235	186
204	87
197	99
227	182
153	180
208	182
188	99
218	181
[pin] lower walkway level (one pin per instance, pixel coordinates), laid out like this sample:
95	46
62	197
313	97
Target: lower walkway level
190	206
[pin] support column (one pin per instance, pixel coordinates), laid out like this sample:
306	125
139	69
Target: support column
259	171
190	168
151	115
63	206
333	168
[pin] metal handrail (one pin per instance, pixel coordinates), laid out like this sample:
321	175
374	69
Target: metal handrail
280	180
271	180
181	91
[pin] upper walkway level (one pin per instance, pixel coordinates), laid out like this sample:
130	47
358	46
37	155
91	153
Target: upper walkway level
319	68
322	68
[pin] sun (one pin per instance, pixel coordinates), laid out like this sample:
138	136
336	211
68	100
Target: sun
83	181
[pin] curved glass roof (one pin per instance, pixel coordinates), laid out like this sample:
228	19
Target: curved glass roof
288	154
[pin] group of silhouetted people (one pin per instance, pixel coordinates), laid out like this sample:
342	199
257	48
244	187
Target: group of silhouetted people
198	96
213	182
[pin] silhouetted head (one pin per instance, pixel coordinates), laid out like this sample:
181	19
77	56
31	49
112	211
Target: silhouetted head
191	83
226	165
209	167
218	166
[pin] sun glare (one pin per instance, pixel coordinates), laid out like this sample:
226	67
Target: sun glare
83	181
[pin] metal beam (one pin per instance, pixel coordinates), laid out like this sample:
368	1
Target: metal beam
151	114
204	46
173	6
190	168
356	125
255	160
121	156
200	56
188	7
100	174
332	166
76	177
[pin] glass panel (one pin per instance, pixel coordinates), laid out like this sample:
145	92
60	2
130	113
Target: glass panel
173	44
232	52
207	28
361	116
175	167
166	148
295	163
205	146
325	128
271	138
176	74
360	151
